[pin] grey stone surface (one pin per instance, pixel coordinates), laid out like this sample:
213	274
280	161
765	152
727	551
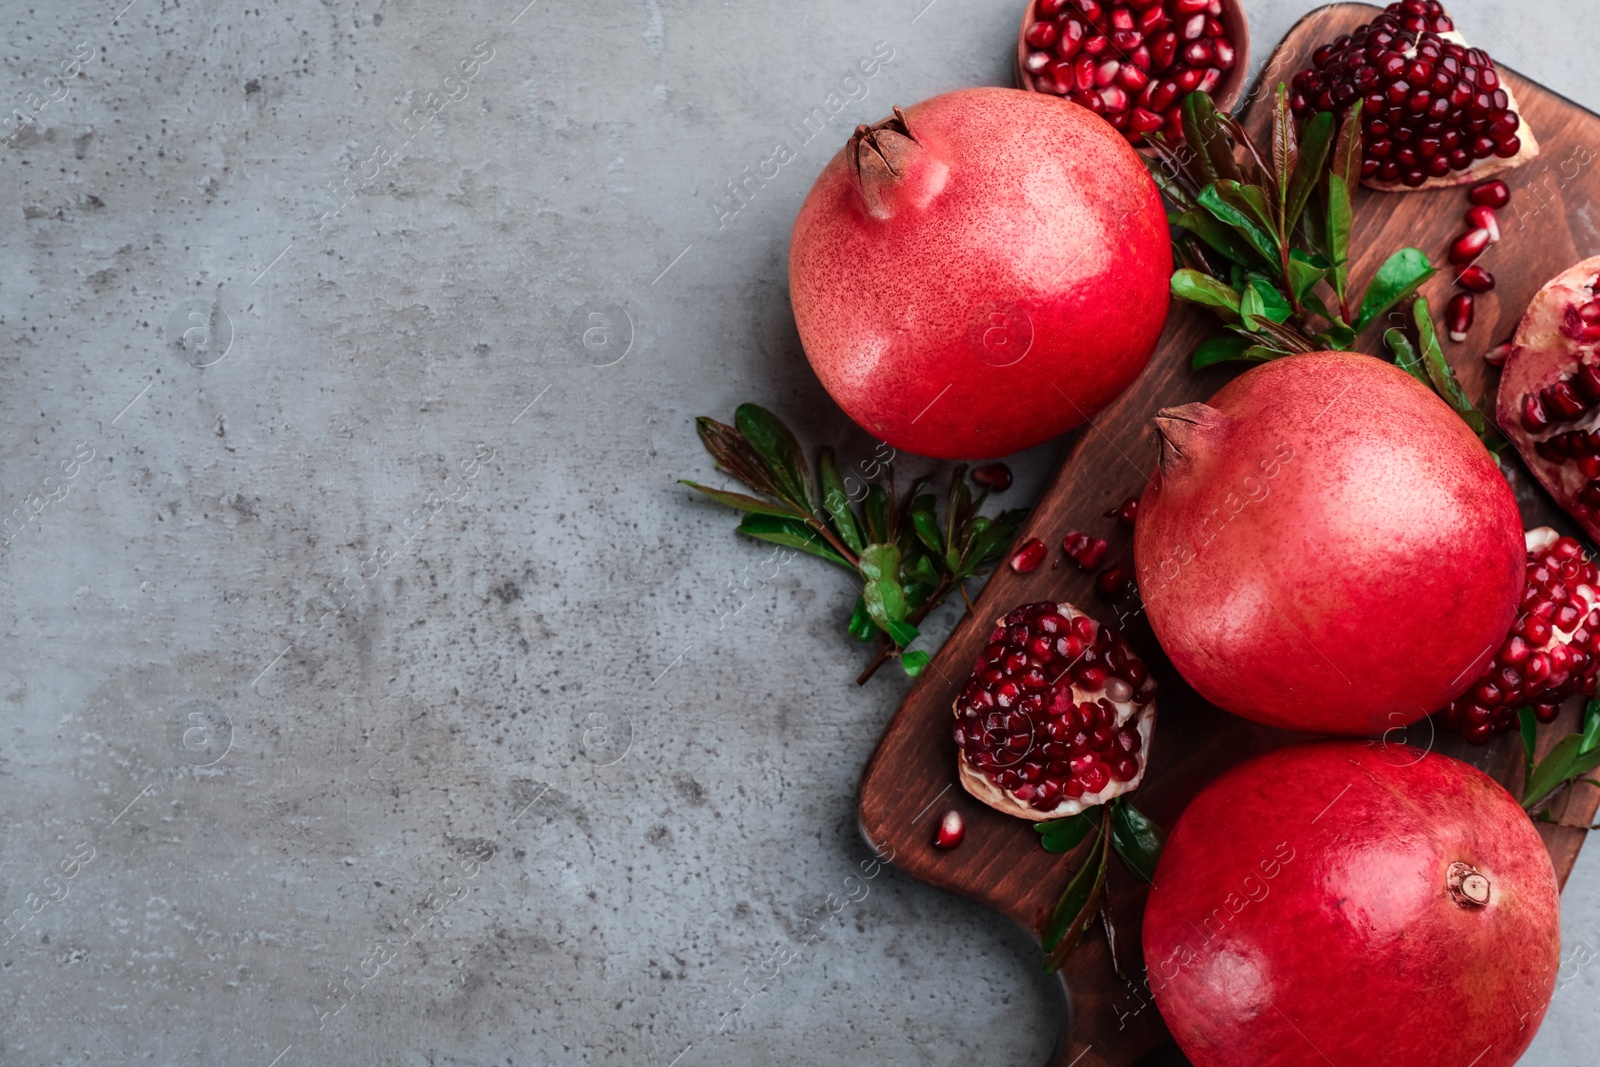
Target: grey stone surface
382	650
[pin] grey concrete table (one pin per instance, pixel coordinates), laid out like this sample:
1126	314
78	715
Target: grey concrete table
372	693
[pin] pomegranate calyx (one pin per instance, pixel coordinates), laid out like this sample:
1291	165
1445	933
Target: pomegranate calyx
1469	888
1180	430
884	155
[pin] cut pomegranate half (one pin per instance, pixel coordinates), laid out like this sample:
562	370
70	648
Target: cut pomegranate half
1056	717
1553	649
1549	402
1435	111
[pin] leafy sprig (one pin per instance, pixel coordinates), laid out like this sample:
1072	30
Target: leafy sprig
1425	361
1122	828
1573	757
1264	237
906	559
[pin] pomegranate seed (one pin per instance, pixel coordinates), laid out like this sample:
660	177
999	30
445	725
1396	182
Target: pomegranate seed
1087	552
952	829
1115	582
1496	356
1492	193
1106	72
1071	39
1116	99
1163	50
1095	44
1587	381
1037	62
1476	278
1126	41
1127	511
1469	246
1194	28
1458	316
1190	7
1226	55
1534	418
1041	34
996	476
1029	556
1482	217
1051	8
1153	19
1563	401
1133	79
1199	53
1210	81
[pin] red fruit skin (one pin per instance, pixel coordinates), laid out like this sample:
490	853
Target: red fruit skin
1021	230
1301	916
1333	551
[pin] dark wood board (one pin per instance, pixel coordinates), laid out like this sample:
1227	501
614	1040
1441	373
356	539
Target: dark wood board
910	780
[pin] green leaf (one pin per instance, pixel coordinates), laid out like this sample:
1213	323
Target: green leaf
781	453
1204	132
1285	156
877	513
1315	143
1338	337
1304	274
1276	305
883	595
860	625
1347	152
1397	279
1591	726
1252	309
792	533
927	528
1244	207
1340	217
1220	237
1136	838
1314	226
1405	355
1439	372
959	511
1530	735
741	501
836	502
1227	349
1566	762
1164	175
1079	901
989	545
1206	291
1064	835
914	663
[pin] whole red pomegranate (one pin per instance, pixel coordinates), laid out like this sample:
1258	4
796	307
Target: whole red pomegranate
1326	546
981	272
1549	402
1353	903
1056	717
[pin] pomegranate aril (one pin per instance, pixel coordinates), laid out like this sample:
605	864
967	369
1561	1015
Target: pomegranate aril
1071	38
1163	49
1534	417
952	829
1469	246
1458	316
1482	217
1115	582
1051	8
1127	511
1476	279
1087	552
1029	556
994	476
1492	193
1562	401
1042	34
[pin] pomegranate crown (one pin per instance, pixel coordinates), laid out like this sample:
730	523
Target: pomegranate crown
866	137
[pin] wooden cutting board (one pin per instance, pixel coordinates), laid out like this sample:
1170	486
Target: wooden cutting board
911	781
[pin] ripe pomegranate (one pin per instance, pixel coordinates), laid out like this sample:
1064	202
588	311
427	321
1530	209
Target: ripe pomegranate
1056	717
1549	403
1130	61
1353	903
1435	112
981	272
1326	546
1552	651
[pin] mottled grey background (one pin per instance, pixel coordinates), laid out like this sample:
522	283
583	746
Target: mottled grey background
385	645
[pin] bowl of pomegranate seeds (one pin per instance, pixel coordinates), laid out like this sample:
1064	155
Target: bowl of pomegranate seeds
1133	61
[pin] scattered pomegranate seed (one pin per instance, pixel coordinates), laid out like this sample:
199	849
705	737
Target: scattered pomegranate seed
1127	511
1430	106
1469	246
1553	649
1482	217
1177	46
1115	582
952	828
1087	552
1029	556
1492	193
1476	278
1458	316
1496	356
996	476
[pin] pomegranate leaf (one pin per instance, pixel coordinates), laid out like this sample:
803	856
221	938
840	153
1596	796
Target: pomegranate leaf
883	595
1285	158
1164	172
1225	349
1315	143
1245	209
877	514
1566	763
1398	278
1444	380
1275	307
1064	835
1347	152
1259	174
1591	726
860	625
989	545
1405	355
1078	904
742	502
914	663
735	456
1529	727
1206	291
792	533
780	452
1305	272
1136	838
1210	156
837	503
926	525
1220	236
